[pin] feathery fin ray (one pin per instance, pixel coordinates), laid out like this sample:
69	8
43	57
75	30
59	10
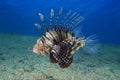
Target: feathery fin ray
92	45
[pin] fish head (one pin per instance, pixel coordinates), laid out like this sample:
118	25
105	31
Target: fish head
41	48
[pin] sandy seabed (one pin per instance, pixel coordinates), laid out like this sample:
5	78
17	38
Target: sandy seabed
17	62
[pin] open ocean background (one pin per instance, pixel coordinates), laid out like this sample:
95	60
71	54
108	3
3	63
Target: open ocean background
18	35
102	17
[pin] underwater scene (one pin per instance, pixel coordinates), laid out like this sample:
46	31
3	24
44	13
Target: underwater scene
59	40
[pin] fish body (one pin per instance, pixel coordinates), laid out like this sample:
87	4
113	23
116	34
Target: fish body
59	41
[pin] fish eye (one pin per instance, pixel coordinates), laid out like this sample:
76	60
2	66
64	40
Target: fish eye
78	44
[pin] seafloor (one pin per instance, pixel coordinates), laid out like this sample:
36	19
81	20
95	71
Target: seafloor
17	62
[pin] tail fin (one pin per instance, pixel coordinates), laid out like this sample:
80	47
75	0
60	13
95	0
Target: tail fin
92	44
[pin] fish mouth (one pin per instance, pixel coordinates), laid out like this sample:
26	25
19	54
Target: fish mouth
34	51
37	52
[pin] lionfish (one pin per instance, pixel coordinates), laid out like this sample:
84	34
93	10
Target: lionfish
60	41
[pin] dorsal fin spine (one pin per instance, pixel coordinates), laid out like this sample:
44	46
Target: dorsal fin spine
42	20
57	18
64	19
51	15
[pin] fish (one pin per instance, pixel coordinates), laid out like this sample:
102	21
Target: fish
60	41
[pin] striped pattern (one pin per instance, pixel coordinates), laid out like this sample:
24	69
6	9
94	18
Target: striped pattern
59	41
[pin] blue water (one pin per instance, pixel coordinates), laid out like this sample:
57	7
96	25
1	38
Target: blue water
102	17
